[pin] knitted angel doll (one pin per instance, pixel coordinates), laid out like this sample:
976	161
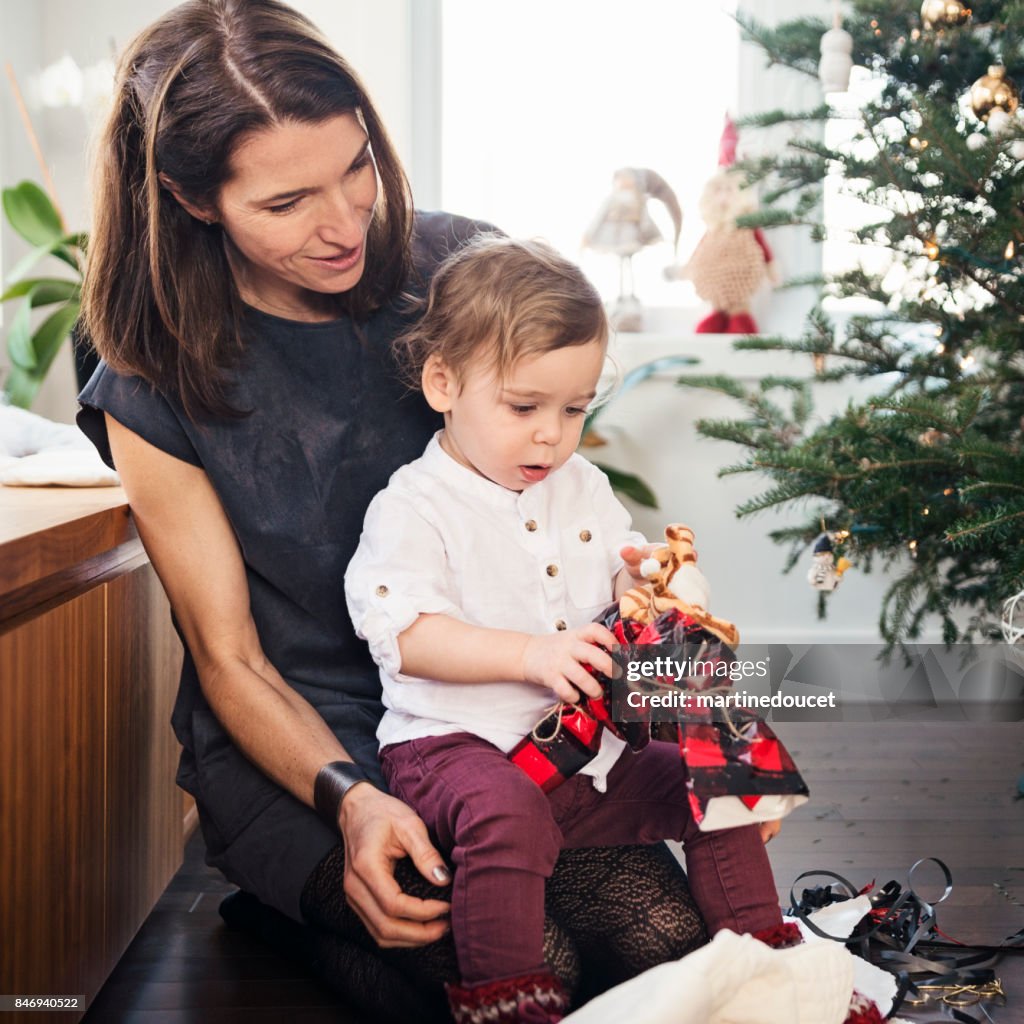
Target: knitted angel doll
730	263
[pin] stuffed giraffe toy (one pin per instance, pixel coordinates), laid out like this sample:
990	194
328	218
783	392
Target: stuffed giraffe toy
674	582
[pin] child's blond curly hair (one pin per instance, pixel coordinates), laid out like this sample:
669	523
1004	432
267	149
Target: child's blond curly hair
511	297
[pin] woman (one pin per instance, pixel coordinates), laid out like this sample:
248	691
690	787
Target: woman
254	251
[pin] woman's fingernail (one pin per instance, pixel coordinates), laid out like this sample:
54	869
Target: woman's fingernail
441	874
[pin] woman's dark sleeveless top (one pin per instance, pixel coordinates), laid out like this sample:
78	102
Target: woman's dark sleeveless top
330	423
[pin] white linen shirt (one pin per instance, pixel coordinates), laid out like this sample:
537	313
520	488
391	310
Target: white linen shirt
440	538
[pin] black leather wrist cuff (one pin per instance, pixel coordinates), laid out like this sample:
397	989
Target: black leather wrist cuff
333	781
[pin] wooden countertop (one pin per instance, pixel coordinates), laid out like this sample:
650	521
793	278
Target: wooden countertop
55	540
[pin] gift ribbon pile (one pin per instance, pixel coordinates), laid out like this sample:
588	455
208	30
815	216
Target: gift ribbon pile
901	935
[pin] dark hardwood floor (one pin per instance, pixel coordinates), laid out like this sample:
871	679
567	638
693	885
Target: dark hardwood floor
883	795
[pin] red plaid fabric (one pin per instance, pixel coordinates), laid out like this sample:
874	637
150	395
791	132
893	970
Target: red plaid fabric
719	762
570	737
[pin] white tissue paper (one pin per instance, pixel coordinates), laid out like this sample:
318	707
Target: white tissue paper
736	978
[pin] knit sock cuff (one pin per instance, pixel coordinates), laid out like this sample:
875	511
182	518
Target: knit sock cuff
498	1002
780	936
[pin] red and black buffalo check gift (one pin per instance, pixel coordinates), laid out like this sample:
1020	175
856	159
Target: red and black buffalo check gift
559	746
738	771
570	736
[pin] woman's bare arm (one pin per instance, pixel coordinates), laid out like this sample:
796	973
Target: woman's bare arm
196	555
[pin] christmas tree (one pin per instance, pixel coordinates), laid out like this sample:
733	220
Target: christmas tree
926	477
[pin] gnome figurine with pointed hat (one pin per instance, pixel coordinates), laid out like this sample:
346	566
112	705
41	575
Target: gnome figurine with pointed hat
730	263
623	226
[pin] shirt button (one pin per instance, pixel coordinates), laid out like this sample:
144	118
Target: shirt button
560	625
585	536
552	570
382	591
530	524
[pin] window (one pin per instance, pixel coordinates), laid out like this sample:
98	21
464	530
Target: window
542	100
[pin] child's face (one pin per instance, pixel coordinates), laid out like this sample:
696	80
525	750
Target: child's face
518	430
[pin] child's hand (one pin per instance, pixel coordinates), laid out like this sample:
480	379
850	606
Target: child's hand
629	576
633	557
769	829
557	660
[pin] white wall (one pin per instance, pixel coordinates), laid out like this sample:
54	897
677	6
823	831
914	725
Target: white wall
651	432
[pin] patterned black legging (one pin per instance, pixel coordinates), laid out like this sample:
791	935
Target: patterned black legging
611	913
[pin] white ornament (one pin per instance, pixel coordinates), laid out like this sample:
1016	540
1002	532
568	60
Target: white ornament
1017	149
998	121
976	141
836	60
1012	621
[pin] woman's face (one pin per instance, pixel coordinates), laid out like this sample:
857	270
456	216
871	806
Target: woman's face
296	209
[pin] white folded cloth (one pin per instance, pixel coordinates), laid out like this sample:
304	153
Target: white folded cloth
36	452
59	467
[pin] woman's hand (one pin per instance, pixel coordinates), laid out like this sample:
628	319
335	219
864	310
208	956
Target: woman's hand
769	830
379	831
558	660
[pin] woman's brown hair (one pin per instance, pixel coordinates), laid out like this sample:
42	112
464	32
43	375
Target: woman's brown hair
159	297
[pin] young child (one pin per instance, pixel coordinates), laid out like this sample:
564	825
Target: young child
478	574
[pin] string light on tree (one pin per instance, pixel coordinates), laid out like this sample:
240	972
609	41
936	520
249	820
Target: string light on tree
931	437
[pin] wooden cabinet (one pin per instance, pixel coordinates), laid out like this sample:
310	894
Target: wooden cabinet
90	818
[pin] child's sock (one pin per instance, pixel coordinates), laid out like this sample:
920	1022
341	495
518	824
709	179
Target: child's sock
536	998
783	936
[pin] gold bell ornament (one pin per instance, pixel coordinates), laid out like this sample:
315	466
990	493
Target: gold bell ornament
993	92
944	13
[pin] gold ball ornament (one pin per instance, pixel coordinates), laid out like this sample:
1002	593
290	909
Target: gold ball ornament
994	91
944	13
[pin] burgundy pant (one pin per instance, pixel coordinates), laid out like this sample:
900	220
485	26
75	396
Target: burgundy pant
504	834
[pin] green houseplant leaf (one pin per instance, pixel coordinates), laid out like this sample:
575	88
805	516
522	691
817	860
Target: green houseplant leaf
21	388
49	336
47	290
33	344
630	485
19	340
30	212
62	248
